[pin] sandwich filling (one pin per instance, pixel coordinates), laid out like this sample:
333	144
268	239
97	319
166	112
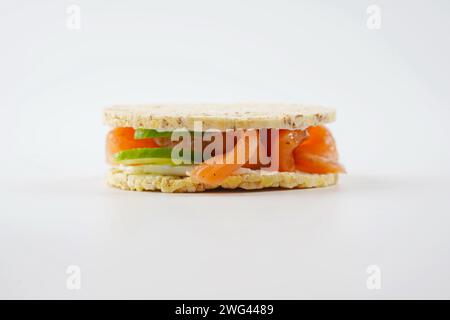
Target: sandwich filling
211	158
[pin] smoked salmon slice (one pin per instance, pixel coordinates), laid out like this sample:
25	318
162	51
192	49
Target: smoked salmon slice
120	139
312	151
216	169
289	140
317	153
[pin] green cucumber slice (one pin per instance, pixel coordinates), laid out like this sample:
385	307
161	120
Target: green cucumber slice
147	156
151	133
158	161
144	154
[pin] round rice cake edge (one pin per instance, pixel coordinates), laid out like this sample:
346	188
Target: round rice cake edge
249	181
218	116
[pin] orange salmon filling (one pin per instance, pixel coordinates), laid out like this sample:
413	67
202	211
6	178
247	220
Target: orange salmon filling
120	139
312	151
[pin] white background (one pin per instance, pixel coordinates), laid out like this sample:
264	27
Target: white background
391	90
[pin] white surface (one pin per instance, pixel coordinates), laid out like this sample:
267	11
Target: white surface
282	244
390	87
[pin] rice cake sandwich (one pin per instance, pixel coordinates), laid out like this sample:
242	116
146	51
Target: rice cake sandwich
193	148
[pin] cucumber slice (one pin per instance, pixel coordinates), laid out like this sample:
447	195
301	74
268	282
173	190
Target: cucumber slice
144	155
144	161
151	133
147	156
